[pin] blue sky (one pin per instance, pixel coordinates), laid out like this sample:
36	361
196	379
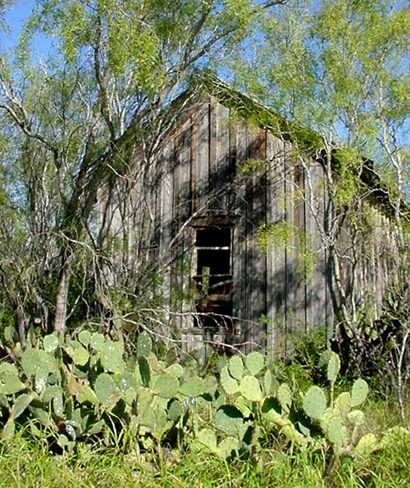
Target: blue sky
15	17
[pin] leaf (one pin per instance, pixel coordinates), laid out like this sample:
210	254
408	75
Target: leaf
360	390
144	345
193	387
21	404
314	403
104	387
235	366
250	389
112	357
255	361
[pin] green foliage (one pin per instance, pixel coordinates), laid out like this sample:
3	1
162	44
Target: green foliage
86	389
314	403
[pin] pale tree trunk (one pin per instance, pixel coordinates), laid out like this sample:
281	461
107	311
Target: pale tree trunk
63	284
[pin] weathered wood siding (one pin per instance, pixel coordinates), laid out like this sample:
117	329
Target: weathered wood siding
279	292
274	296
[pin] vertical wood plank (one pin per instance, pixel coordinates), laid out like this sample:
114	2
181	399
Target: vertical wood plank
166	197
290	268
239	250
256	259
316	276
184	213
276	258
219	164
201	158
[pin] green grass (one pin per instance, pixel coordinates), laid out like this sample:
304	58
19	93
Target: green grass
28	463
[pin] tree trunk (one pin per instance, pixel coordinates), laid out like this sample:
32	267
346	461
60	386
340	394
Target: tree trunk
63	285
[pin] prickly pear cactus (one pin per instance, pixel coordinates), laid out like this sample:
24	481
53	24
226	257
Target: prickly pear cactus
360	390
250	389
255	362
284	396
236	367
166	386
314	402
333	367
144	344
193	387
229	384
9	379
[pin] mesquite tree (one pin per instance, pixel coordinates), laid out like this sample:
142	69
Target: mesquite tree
71	116
340	67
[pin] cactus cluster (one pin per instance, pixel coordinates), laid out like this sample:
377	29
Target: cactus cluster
86	387
77	388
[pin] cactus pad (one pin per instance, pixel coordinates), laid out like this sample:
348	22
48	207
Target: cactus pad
84	337
285	397
255	361
336	432
50	342
80	356
343	404
333	367
21	404
166	386
144	344
360	390
229	420
229	384
97	341
236	367
314	403
104	387
9	380
250	389
207	438
193	387
228	447
111	357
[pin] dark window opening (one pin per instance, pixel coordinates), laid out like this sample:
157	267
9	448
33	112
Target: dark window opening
213	278
213	237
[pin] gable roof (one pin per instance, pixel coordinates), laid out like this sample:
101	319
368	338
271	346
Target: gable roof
306	140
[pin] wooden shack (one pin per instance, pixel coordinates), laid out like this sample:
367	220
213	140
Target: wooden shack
233	224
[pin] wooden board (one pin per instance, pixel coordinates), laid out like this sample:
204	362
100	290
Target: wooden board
239	244
276	257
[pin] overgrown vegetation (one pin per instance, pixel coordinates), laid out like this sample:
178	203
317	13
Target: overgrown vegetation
71	404
83	391
91	403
